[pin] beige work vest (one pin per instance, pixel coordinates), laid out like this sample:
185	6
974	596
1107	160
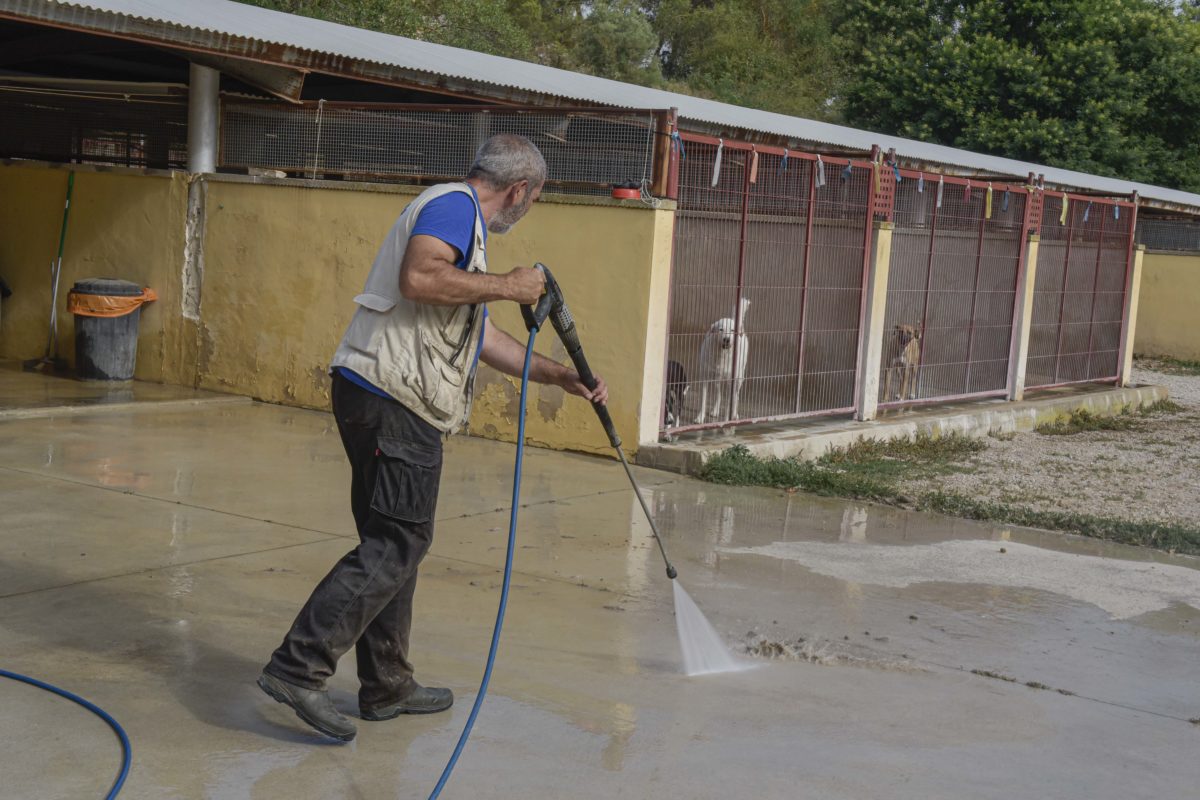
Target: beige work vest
422	355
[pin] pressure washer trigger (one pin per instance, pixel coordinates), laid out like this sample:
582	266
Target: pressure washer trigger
535	316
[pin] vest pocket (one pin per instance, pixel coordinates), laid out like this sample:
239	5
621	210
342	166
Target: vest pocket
436	381
365	329
406	480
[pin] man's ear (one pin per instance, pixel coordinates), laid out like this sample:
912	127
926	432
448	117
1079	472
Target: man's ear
514	192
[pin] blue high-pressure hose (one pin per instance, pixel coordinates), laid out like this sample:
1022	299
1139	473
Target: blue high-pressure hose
127	750
508	563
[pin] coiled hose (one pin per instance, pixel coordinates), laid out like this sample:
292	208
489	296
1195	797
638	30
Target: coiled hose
126	749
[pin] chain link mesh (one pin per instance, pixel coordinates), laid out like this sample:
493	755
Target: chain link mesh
1169	234
586	152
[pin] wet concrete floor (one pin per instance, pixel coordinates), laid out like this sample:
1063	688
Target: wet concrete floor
151	559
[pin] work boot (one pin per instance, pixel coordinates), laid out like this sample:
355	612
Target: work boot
312	706
422	700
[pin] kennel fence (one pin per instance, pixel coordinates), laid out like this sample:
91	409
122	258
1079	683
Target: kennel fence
957	253
788	232
1078	321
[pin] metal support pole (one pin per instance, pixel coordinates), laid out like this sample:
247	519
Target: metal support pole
204	93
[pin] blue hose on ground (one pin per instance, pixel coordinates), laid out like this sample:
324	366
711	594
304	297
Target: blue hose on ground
508	562
127	750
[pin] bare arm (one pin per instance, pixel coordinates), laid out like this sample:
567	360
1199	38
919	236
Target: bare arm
503	352
428	275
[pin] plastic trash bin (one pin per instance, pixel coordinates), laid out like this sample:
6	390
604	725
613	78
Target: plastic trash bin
106	313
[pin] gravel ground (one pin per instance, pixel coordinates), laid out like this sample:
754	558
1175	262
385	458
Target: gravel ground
1148	474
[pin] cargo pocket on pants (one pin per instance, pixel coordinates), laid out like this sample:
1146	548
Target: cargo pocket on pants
406	480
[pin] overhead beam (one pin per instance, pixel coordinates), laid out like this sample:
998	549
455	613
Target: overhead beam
282	82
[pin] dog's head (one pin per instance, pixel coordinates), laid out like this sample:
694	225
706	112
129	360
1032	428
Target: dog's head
906	333
723	330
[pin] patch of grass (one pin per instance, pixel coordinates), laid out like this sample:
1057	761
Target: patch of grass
1081	420
987	673
865	470
1168	365
738	467
871	470
1163	536
1164	406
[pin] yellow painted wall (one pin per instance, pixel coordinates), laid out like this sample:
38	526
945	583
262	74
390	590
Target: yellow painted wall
122	225
283	263
1166	323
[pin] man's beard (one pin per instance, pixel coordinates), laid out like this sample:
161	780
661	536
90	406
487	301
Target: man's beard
504	219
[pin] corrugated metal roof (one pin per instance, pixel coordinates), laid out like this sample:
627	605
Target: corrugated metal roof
242	30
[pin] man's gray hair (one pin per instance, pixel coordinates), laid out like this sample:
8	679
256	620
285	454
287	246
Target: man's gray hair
508	158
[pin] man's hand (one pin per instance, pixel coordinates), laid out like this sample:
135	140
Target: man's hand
570	381
525	285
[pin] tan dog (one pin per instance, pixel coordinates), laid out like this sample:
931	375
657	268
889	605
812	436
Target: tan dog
903	357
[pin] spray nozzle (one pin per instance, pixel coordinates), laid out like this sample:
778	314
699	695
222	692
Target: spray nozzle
671	573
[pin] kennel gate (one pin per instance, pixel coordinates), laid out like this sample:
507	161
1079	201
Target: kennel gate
1084	262
958	249
791	233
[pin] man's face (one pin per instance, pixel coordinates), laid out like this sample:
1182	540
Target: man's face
522	199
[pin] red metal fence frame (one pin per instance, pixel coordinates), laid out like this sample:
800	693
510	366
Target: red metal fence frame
880	204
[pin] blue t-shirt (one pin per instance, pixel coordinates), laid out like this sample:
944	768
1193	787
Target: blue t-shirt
450	218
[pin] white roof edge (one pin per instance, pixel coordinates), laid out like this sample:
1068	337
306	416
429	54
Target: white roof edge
227	19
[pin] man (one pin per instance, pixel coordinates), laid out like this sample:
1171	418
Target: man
402	379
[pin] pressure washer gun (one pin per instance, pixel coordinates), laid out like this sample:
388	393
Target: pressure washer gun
553	306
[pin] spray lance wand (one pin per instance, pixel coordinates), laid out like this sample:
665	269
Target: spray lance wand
553	305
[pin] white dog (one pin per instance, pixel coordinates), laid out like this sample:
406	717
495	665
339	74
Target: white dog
716	363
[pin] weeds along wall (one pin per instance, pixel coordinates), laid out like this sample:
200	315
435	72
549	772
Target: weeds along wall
282	262
124	224
1167	316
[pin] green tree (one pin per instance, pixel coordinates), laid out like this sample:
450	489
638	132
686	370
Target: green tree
770	54
1104	86
616	41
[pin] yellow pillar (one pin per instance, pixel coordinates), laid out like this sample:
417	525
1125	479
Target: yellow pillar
654	356
1019	354
1133	291
871	344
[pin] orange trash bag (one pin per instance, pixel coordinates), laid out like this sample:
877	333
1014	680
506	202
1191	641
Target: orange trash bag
104	305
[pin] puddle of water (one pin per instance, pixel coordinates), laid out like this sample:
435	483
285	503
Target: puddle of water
703	651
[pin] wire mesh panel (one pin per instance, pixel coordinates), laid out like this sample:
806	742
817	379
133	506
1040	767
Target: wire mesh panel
1079	296
585	151
129	130
956	255
1179	235
780	238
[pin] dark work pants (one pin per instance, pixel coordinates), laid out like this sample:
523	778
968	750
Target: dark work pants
366	599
